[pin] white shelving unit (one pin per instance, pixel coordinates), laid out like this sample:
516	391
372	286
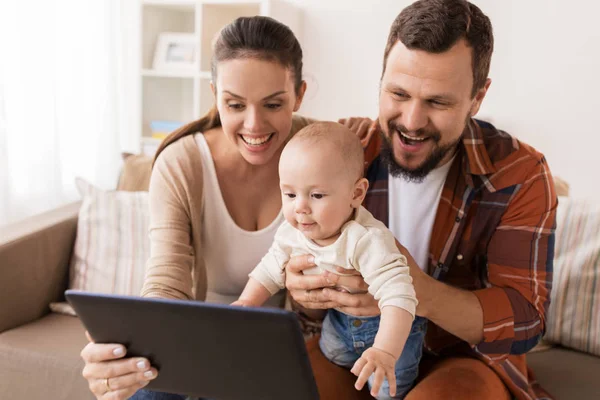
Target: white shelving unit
185	95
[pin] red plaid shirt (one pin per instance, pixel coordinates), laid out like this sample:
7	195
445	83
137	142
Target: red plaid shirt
494	235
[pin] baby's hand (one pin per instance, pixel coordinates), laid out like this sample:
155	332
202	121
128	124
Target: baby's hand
240	303
379	362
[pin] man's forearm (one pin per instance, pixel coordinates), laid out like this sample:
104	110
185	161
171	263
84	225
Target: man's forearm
455	310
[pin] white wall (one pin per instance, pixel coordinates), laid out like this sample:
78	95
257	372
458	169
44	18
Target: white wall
545	72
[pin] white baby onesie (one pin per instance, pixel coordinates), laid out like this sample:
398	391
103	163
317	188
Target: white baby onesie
365	244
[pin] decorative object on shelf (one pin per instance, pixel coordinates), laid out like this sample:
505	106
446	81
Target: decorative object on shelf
160	129
176	52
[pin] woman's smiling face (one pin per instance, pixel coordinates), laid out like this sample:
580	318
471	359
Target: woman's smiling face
256	99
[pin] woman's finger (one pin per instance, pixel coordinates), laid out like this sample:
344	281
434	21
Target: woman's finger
122	394
116	368
128	381
97	352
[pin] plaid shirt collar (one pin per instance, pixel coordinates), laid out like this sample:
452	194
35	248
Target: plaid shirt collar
477	160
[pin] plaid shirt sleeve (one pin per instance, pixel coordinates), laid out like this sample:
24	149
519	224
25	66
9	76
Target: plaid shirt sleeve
520	258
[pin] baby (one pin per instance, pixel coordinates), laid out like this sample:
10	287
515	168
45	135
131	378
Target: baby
322	186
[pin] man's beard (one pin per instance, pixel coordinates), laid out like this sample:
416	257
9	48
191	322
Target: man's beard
419	173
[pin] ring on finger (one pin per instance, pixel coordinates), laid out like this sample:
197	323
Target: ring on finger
108	389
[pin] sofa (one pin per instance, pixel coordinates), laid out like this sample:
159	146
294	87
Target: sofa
40	350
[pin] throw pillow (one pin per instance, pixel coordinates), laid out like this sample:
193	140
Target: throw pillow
136	171
112	243
574	314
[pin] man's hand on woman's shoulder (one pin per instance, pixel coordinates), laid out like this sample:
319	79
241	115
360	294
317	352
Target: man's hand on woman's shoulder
363	127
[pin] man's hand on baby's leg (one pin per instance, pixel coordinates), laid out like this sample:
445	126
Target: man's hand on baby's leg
378	362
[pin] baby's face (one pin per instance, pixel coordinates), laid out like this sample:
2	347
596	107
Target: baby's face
317	192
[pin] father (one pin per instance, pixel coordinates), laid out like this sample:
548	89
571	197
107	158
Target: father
474	206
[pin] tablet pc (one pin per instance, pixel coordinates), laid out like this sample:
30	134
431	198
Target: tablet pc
206	350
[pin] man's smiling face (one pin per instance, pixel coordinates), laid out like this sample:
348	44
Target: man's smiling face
424	104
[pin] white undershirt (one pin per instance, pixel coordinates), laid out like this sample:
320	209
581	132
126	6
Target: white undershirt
412	210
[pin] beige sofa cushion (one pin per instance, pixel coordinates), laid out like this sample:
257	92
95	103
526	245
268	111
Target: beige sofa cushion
574	313
566	374
41	360
135	175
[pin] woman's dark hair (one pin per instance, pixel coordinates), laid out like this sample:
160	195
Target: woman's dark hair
257	37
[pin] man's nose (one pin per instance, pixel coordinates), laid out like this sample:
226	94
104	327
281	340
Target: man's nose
414	116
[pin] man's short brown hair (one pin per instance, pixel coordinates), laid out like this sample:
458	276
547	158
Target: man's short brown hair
436	25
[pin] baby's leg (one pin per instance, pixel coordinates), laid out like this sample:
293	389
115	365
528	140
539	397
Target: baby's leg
336	341
407	366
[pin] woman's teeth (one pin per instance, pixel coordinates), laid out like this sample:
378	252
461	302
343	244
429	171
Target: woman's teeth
256	141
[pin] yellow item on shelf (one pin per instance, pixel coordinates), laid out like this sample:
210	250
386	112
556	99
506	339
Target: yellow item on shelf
160	135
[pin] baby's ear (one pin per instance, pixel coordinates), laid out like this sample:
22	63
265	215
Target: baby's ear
360	191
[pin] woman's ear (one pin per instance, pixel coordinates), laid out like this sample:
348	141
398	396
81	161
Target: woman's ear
300	96
213	89
360	191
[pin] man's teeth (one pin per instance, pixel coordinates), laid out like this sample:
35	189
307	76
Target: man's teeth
414	139
257	141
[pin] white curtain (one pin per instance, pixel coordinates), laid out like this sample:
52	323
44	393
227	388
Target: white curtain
59	101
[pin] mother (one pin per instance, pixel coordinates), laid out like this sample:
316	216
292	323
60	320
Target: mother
215	201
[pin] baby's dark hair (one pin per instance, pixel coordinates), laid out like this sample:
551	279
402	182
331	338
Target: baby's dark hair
342	138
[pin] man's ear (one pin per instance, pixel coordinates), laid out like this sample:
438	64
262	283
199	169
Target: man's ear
479	96
360	191
300	96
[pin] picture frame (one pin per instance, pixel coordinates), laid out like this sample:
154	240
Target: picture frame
176	52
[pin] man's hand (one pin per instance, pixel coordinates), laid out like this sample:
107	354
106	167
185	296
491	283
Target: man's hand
355	298
319	291
364	128
378	362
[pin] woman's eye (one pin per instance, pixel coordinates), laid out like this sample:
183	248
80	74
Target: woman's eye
273	106
318	196
235	106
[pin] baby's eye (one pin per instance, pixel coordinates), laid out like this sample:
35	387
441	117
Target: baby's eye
290	195
318	196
